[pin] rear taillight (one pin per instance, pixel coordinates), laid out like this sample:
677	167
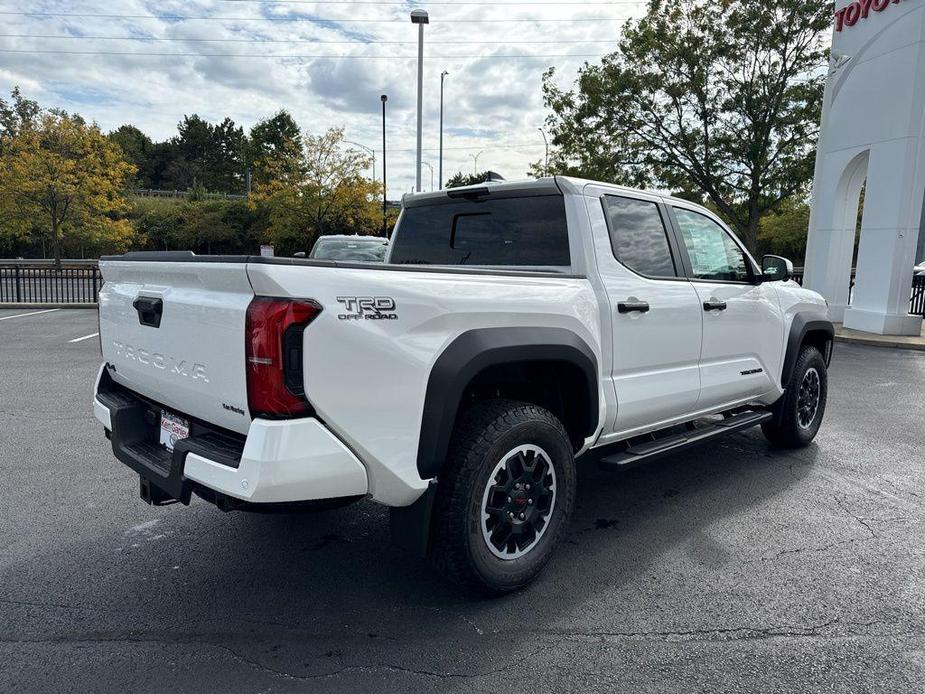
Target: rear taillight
273	349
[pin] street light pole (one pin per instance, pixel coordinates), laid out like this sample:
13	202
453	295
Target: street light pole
429	166
385	189
475	161
440	166
420	18
546	165
371	151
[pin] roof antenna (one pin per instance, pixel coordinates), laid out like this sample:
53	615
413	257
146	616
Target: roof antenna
491	176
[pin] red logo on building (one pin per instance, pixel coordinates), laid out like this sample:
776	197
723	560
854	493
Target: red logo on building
858	10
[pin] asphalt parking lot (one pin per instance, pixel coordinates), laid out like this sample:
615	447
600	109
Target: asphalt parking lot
734	568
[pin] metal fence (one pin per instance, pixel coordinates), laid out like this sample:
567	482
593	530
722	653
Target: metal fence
36	281
152	193
918	296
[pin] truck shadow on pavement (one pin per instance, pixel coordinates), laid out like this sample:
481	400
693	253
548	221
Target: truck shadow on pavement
326	597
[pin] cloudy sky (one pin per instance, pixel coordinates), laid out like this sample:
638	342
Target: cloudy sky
149	63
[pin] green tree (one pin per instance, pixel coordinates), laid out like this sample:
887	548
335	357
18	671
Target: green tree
720	96
17	114
275	148
330	195
784	231
62	180
460	179
202	154
139	150
203	226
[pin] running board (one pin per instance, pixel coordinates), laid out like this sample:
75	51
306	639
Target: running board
650	450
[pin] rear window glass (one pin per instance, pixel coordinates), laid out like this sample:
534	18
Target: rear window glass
525	231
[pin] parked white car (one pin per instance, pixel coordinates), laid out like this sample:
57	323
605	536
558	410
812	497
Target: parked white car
360	249
513	328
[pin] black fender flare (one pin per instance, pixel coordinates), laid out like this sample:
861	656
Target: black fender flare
475	350
802	325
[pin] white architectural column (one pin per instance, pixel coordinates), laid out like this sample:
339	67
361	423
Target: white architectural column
873	128
830	249
889	238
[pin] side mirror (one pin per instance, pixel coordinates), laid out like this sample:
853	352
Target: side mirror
300	254
776	269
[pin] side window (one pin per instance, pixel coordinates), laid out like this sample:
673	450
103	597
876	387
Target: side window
638	236
713	253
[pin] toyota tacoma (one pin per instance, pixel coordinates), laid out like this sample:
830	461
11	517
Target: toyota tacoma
513	328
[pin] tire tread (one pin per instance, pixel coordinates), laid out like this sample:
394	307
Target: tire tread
475	433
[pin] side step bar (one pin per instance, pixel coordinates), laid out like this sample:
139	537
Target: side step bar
650	450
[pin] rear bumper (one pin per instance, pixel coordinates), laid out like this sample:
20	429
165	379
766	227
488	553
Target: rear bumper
278	462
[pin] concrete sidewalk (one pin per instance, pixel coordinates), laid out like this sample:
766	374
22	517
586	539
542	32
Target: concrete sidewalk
843	334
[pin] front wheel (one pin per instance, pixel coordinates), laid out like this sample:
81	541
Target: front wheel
798	414
505	497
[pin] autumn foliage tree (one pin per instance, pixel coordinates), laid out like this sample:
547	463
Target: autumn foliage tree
719	96
328	195
62	180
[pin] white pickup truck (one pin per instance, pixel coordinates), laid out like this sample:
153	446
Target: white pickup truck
513	328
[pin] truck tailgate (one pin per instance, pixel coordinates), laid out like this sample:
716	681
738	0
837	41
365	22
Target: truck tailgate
174	332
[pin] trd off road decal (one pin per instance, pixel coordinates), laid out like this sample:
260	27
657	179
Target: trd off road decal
367	308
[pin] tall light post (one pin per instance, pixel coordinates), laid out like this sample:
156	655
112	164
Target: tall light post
440	166
475	161
429	166
385	189
371	151
420	18
546	142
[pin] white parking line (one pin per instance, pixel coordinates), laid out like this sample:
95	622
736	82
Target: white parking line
34	313
85	337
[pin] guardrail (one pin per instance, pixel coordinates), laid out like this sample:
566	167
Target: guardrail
40	282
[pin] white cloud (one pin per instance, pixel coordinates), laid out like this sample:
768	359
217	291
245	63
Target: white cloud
493	104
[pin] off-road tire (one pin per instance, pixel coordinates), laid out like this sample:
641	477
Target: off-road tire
787	429
485	435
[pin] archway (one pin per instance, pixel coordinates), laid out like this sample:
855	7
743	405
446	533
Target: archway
836	236
872	129
848	226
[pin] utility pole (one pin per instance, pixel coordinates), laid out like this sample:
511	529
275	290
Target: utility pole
440	166
385	189
546	164
475	161
420	18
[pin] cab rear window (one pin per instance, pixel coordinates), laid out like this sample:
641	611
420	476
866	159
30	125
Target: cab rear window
520	231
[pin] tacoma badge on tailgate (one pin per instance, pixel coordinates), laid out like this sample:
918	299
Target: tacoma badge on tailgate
181	367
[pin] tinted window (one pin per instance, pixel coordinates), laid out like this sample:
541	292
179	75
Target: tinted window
528	231
713	253
638	236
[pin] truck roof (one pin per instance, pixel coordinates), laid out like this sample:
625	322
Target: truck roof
534	186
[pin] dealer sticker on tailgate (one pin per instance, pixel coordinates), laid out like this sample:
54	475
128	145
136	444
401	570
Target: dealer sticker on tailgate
173	429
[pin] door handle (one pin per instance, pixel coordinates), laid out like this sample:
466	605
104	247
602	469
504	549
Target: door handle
633	307
149	310
714	305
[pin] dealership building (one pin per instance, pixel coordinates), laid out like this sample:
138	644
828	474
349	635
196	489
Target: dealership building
872	140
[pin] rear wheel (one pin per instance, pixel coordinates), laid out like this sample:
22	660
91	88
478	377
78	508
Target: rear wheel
798	414
505	497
